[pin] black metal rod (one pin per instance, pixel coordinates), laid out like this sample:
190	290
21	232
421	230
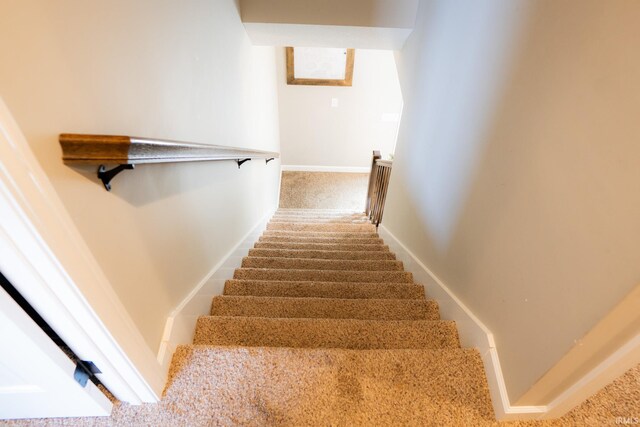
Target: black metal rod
106	176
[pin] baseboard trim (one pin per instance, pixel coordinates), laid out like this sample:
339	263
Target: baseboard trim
473	333
607	351
180	324
311	168
623	359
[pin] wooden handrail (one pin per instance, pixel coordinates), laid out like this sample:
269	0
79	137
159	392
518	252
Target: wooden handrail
378	184
127	151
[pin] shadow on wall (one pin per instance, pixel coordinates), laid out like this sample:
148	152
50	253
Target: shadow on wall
151	183
518	151
185	206
459	91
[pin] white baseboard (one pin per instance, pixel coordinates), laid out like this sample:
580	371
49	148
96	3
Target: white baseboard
473	333
311	168
623	359
606	352
180	324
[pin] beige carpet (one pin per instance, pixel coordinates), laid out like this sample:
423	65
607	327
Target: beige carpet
323	190
321	331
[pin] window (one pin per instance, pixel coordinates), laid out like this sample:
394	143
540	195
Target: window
320	66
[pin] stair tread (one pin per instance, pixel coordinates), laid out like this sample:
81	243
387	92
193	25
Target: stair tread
320	254
322	264
324	289
322	275
325	333
293	386
287	307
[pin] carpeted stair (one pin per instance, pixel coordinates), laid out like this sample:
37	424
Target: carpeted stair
321	325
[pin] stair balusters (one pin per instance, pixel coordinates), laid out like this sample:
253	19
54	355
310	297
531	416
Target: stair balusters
378	184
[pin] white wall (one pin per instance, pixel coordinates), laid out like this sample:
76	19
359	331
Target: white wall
516	172
315	133
354	13
176	70
366	24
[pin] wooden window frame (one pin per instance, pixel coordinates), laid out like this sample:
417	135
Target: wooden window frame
348	74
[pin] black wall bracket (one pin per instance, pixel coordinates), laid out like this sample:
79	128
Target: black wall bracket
106	176
240	162
85	369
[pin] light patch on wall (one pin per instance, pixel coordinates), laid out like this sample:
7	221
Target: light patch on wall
390	117
322	126
453	101
320	63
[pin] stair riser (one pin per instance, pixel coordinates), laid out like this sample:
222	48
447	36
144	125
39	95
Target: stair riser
294	211
372	309
319	264
326	333
322	246
320	220
323	276
323	289
321	227
326	234
294	218
326	240
349	255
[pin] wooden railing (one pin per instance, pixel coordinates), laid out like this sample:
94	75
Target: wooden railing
378	184
127	151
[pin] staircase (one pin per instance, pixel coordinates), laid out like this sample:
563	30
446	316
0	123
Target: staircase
322	326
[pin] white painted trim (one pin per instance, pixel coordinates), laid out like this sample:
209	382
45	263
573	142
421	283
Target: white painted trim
279	186
594	361
311	168
180	324
278	34
611	368
40	374
473	333
45	258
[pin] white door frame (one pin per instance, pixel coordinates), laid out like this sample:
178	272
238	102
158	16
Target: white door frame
46	259
37	377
